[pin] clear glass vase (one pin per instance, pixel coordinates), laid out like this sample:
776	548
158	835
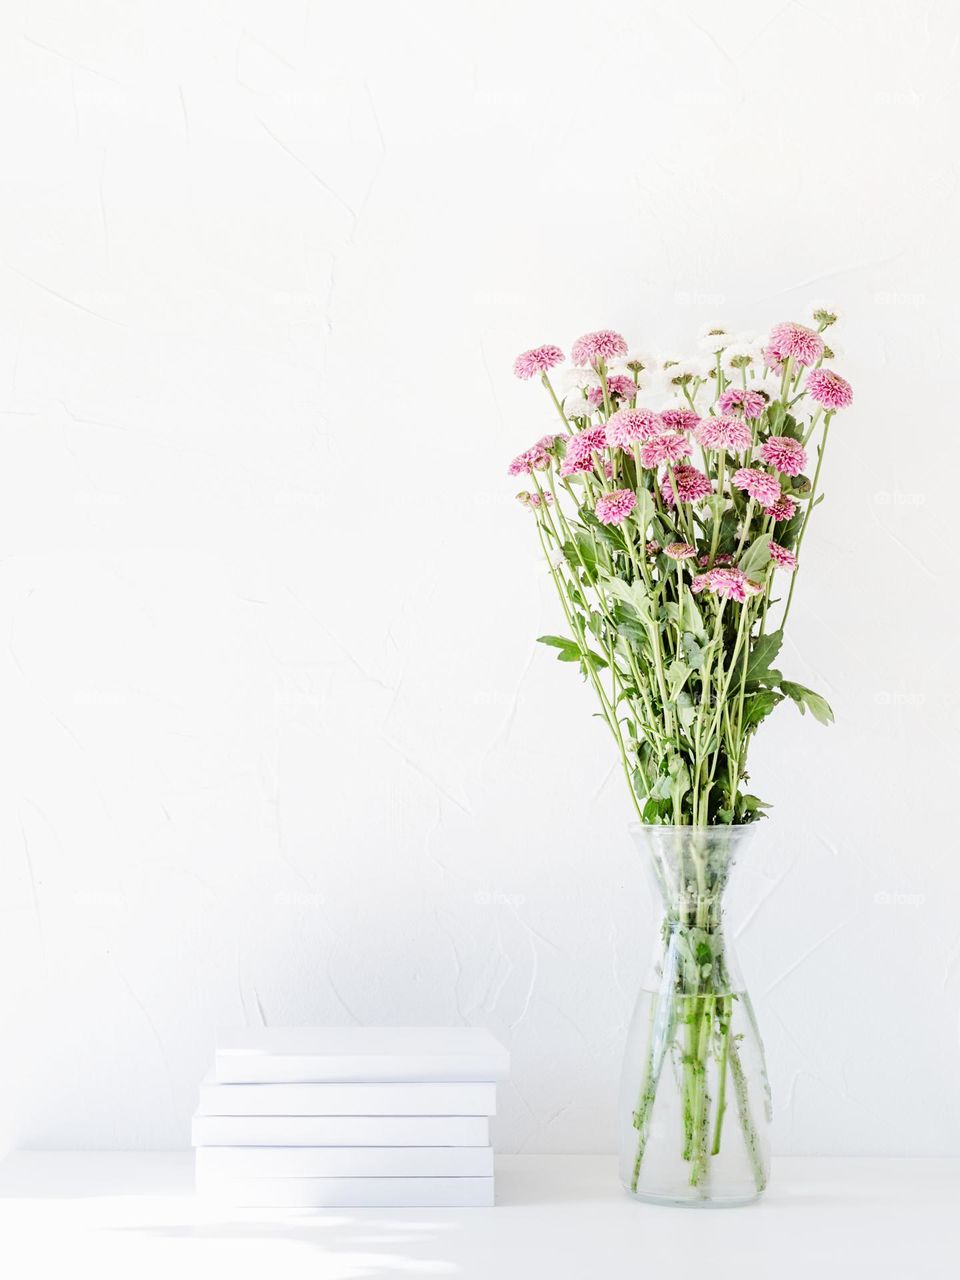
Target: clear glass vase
694	1112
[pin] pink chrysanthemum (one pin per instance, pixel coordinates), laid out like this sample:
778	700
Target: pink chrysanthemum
772	360
784	453
740	399
804	345
538	360
669	446
680	551
781	557
724	432
760	485
679	419
536	458
620	385
699	582
653	547
782	509
829	389
721	558
731	584
535	499
691	485
605	344
580	450
627	425
613	508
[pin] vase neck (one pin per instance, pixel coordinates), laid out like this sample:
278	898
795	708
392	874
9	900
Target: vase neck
691	868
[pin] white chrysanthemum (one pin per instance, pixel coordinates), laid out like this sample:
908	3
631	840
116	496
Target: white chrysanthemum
739	351
575	405
571	379
628	363
713	339
832	350
769	383
692	368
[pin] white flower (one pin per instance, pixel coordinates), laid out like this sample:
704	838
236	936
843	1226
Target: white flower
713	340
575	405
694	367
647	362
739	350
569	379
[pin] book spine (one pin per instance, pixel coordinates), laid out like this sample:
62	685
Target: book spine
341	1131
417	1099
349	1193
345	1162
246	1068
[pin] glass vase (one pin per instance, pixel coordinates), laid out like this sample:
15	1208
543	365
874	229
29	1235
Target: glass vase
694	1112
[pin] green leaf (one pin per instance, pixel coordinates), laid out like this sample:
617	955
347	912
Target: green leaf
775	415
629	626
756	556
807	700
692	651
759	705
762	654
643	512
631	593
692	615
569	649
677	674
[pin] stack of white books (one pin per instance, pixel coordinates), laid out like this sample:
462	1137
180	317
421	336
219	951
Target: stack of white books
343	1117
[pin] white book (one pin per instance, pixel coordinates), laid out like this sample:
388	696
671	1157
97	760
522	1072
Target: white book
438	1098
345	1162
349	1193
341	1131
353	1054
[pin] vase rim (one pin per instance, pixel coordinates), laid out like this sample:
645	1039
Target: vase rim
667	826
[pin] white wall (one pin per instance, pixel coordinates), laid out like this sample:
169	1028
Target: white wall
277	741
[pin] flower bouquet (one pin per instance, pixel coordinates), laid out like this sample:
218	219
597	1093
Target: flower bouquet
670	505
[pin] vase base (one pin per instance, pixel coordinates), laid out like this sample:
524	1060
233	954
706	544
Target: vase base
680	1201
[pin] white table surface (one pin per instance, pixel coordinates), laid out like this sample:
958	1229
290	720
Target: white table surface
134	1215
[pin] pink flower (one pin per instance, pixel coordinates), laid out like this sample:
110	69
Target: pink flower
680	551
781	557
613	508
679	419
759	484
750	403
782	509
536	458
580	450
653	547
534	499
627	425
804	345
784	453
605	344
669	446
620	385
721	558
724	432
731	584
829	389
691	485
537	360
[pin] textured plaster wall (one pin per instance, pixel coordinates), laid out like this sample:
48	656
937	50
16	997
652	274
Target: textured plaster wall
278	744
